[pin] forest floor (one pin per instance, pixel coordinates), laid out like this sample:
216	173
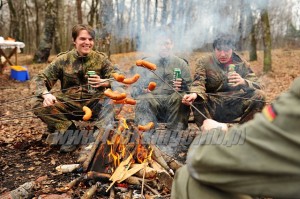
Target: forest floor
25	157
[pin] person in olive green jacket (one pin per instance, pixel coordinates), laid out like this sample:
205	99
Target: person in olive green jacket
162	104
221	94
264	164
71	68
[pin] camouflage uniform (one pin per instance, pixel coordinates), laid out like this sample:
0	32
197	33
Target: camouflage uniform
265	165
70	69
162	104
218	100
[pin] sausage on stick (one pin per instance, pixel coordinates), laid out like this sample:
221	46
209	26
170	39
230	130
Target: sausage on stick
151	86
118	77
87	113
132	79
114	95
146	64
146	127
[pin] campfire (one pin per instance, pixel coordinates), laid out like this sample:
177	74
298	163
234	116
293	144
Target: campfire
120	157
123	156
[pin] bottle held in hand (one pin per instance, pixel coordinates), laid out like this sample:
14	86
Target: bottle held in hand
231	70
176	77
90	88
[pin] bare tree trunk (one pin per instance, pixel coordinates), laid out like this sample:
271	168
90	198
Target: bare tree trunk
240	28
93	12
139	21
132	29
43	51
253	42
267	41
58	26
174	11
37	23
79	11
164	14
106	16
147	15
15	22
155	13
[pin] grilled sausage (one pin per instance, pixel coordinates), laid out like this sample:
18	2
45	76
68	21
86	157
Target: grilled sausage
114	95
118	77
151	86
146	64
87	113
146	127
132	79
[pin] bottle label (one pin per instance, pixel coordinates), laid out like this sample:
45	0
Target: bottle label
176	73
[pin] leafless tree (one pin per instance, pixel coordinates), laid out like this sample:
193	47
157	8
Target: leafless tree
43	51
79	11
267	41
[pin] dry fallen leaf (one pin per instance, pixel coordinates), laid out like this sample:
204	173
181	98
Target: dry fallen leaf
53	162
31	168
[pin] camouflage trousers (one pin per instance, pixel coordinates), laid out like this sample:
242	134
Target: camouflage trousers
228	107
60	115
162	108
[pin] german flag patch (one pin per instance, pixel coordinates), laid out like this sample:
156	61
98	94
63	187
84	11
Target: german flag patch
269	112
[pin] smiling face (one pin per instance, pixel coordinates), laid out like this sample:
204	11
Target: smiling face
84	43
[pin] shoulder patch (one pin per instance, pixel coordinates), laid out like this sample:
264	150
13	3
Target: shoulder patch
269	112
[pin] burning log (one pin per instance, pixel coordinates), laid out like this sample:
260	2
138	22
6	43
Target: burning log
157	155
156	166
119	150
87	164
173	164
120	171
149	172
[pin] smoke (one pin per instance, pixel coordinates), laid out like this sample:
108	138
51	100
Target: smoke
194	23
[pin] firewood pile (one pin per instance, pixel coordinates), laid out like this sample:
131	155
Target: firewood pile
122	163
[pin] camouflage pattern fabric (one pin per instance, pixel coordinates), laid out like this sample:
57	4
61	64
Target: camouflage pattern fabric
71	70
263	165
162	104
60	115
220	101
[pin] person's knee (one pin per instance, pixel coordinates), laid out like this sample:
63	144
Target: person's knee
146	101
258	99
175	99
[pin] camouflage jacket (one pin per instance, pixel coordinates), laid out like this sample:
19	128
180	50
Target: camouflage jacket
211	76
71	70
165	69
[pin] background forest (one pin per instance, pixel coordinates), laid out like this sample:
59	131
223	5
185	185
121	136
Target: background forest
127	25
